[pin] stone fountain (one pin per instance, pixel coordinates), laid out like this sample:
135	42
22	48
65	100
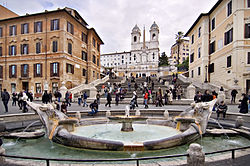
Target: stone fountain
127	120
60	129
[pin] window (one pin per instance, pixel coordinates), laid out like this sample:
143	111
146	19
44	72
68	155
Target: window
248	58
1	71
13	87
213	24
25	70
98	47
199	32
69	68
220	44
54	69
211	68
84	37
38	70
94	74
134	57
98	62
248	3
12	30
12	50
191	57
25	28
54	24
199	71
38	26
212	47
247	30
38	88
38	47
93	40
122	61
228	36
1	32
94	59
1	51
54	87
83	72
54	46
229	61
199	52
192	41
70	28
229	8
84	56
153	55
24	49
12	71
122	57
97	75
135	38
192	73
70	48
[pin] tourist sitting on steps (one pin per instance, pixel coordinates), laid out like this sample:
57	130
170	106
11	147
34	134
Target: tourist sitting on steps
221	109
94	108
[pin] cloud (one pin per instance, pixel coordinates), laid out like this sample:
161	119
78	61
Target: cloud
114	19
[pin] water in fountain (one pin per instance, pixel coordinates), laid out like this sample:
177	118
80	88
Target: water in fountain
220	126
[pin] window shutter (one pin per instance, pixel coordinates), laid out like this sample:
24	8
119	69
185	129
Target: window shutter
58	69
72	66
51	70
21	49
15	71
27	71
34	70
41	75
27	49
67	68
51	25
10	31
15	29
247	31
225	38
10	76
42	26
1	71
9	50
22	71
58	25
28	27
72	29
67	26
35	28
22	28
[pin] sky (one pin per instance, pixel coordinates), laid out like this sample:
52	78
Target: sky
115	19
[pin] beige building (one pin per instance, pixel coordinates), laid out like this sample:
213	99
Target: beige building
40	51
184	52
220	45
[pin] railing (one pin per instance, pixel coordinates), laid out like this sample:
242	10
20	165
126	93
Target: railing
137	160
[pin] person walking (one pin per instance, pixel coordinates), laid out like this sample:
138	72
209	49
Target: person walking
85	96
109	99
45	97
179	92
146	99
170	97
79	99
233	95
67	98
117	98
50	96
5	99
14	98
166	97
98	97
243	105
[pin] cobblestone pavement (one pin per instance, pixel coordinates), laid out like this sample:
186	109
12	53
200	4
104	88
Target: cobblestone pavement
76	107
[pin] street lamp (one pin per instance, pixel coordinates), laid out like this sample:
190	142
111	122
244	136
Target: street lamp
206	74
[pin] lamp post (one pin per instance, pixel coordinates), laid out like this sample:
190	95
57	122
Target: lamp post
206	74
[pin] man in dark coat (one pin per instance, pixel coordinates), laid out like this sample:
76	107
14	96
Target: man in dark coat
45	97
233	94
109	99
207	96
5	99
243	105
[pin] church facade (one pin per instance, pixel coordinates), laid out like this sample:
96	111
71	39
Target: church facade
143	58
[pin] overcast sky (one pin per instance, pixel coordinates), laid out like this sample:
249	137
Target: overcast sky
114	19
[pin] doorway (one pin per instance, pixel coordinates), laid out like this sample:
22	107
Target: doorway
25	86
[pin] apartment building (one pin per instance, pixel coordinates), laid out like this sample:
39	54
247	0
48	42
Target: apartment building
184	51
40	51
220	45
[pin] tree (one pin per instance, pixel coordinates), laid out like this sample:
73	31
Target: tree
184	66
163	60
179	39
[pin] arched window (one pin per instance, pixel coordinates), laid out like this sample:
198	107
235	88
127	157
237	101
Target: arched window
153	36
135	39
